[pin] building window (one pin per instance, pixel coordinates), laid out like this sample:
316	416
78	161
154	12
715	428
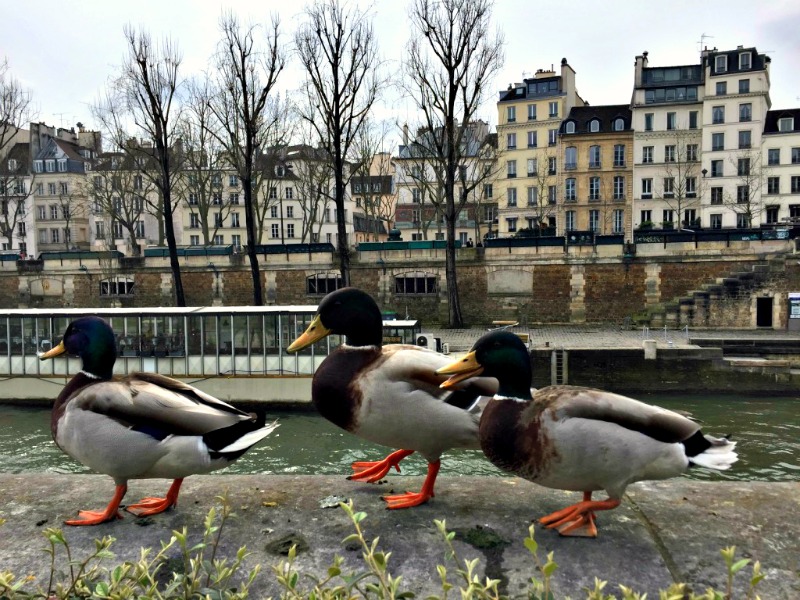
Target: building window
721	63
533	167
233	181
511	166
691	187
716	195
669	153
51	189
742	221
774	156
194	221
274	232
647	154
273	212
619	124
553	110
744	140
216	180
569	190
533	196
716	221
718	115
532	142
785	124
773	185
571	158
552	194
233	197
138	229
192	199
692	119
290	230
50	166
744	60
511	223
619	155
742	194
569	220
618	221
511	114
722	88
647	188
669	187
320	284
619	187
216	198
54	211
772	214
717	141
531	112
289	193
648	121
273	193
671	121
511	141
487	190
594	220
551	165
594	126
795	183
117	286
744	86
569	127
691	152
594	189
55	236
290	212
745	112
716	168
667	217
511	196
552	137
795	156
743	167
594	157
21	229
646	216
235	220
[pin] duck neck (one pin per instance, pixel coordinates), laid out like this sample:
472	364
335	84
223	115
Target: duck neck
369	331
518	389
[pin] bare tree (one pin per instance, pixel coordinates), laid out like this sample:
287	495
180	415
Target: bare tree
372	171
452	56
119	192
246	77
680	187
751	174
16	184
339	51
146	94
314	174
72	200
539	203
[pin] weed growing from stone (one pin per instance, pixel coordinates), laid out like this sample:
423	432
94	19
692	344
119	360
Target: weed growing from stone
199	573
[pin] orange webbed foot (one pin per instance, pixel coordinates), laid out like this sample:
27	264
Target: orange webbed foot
372	472
406	500
95	517
153	506
579	519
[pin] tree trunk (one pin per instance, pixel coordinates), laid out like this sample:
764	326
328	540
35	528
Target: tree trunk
169	230
342	246
249	220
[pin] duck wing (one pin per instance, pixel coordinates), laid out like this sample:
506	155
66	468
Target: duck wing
158	405
570	402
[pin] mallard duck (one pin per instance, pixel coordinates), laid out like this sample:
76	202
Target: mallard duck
140	426
389	394
578	438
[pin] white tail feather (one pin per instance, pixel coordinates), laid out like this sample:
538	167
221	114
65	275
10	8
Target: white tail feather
719	456
250	439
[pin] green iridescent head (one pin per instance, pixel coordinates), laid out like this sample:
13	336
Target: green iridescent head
92	339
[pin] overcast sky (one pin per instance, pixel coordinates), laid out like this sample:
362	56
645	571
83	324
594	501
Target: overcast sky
64	51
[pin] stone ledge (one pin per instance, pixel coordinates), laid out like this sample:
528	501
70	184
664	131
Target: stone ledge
663	530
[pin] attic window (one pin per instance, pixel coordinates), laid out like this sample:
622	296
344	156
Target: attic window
12	164
594	126
62	165
570	127
37	166
619	124
721	63
744	60
50	165
786	124
280	170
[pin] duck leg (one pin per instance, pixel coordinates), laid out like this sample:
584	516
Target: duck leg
578	519
410	499
95	517
375	471
153	506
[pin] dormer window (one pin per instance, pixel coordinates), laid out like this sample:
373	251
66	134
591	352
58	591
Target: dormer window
12	164
721	63
619	124
570	127
594	125
786	124
744	61
280	171
38	166
50	165
62	165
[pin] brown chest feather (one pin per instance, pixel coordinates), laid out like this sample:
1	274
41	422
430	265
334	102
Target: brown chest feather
335	391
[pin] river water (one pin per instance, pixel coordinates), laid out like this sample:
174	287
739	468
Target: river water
767	430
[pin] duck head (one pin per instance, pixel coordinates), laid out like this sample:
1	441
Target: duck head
92	339
349	312
498	354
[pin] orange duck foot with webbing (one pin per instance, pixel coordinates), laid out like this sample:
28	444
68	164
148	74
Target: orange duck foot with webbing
410	499
152	506
578	519
375	471
95	517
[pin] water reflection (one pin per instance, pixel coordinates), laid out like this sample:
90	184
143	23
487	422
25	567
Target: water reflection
767	430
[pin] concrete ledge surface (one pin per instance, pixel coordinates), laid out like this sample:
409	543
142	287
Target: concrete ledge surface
663	532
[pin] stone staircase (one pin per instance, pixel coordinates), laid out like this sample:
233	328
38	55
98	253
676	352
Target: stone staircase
696	307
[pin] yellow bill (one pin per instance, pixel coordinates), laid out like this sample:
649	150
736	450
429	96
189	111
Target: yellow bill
460	370
315	332
53	352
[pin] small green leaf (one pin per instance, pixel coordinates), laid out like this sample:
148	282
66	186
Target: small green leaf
739	565
532	545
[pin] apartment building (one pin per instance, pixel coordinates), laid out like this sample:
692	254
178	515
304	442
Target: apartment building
16	200
780	160
529	118
419	213
735	108
596	169
667	112
61	199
